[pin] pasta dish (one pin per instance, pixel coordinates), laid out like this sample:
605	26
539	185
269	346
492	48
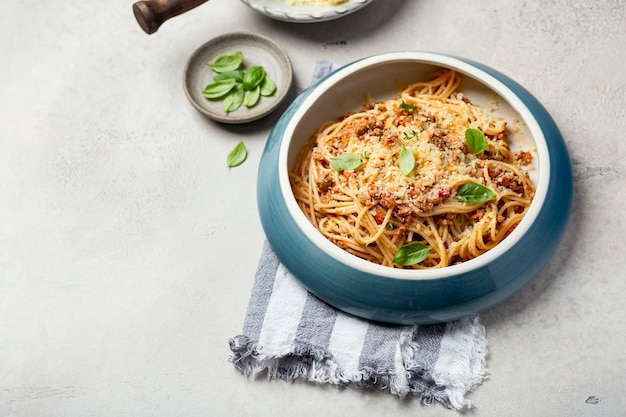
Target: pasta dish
425	180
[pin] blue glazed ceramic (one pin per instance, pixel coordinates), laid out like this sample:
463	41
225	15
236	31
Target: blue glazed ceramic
414	296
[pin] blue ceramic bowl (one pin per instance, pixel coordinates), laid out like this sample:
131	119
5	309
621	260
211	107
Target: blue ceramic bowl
403	296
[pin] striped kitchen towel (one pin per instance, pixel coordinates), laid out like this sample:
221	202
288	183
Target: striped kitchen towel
288	333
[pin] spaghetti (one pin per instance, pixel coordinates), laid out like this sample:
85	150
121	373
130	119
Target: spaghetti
395	178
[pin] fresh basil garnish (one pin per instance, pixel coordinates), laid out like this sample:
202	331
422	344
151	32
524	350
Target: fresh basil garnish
346	161
253	77
407	107
218	89
237	156
411	254
251	98
234	99
237	75
235	86
268	87
475	140
474	193
227	62
406	161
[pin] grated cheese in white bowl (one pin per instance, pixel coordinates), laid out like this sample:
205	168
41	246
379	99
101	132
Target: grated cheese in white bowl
314	2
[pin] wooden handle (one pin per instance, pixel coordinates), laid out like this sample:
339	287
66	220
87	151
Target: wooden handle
151	14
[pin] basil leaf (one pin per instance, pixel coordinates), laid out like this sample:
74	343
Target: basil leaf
235	74
475	140
237	156
235	86
227	62
251	98
474	193
234	99
411	254
218	89
253	77
407	107
344	162
268	87
406	161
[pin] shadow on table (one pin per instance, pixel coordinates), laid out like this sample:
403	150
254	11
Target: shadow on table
513	310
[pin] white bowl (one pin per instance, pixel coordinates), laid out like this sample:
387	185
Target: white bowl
282	10
407	296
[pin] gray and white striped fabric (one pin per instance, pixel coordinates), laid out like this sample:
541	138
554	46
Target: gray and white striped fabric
288	334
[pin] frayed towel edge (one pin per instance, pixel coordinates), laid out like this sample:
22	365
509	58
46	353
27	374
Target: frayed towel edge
249	359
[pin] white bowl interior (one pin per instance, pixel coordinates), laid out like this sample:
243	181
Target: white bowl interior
382	77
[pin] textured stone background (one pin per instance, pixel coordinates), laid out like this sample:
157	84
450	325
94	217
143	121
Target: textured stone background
127	249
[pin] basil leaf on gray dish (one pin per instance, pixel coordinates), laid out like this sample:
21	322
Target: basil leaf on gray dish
219	88
268	87
236	86
237	75
253	77
234	99
252	97
227	62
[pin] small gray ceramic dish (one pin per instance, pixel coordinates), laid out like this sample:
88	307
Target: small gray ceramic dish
407	296
256	50
281	10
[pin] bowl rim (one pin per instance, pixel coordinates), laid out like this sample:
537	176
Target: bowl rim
467	69
305	13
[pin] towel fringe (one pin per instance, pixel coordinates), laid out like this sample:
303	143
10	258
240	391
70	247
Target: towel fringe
462	362
308	362
316	365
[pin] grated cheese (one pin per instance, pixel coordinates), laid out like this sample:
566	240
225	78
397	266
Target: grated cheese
314	2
